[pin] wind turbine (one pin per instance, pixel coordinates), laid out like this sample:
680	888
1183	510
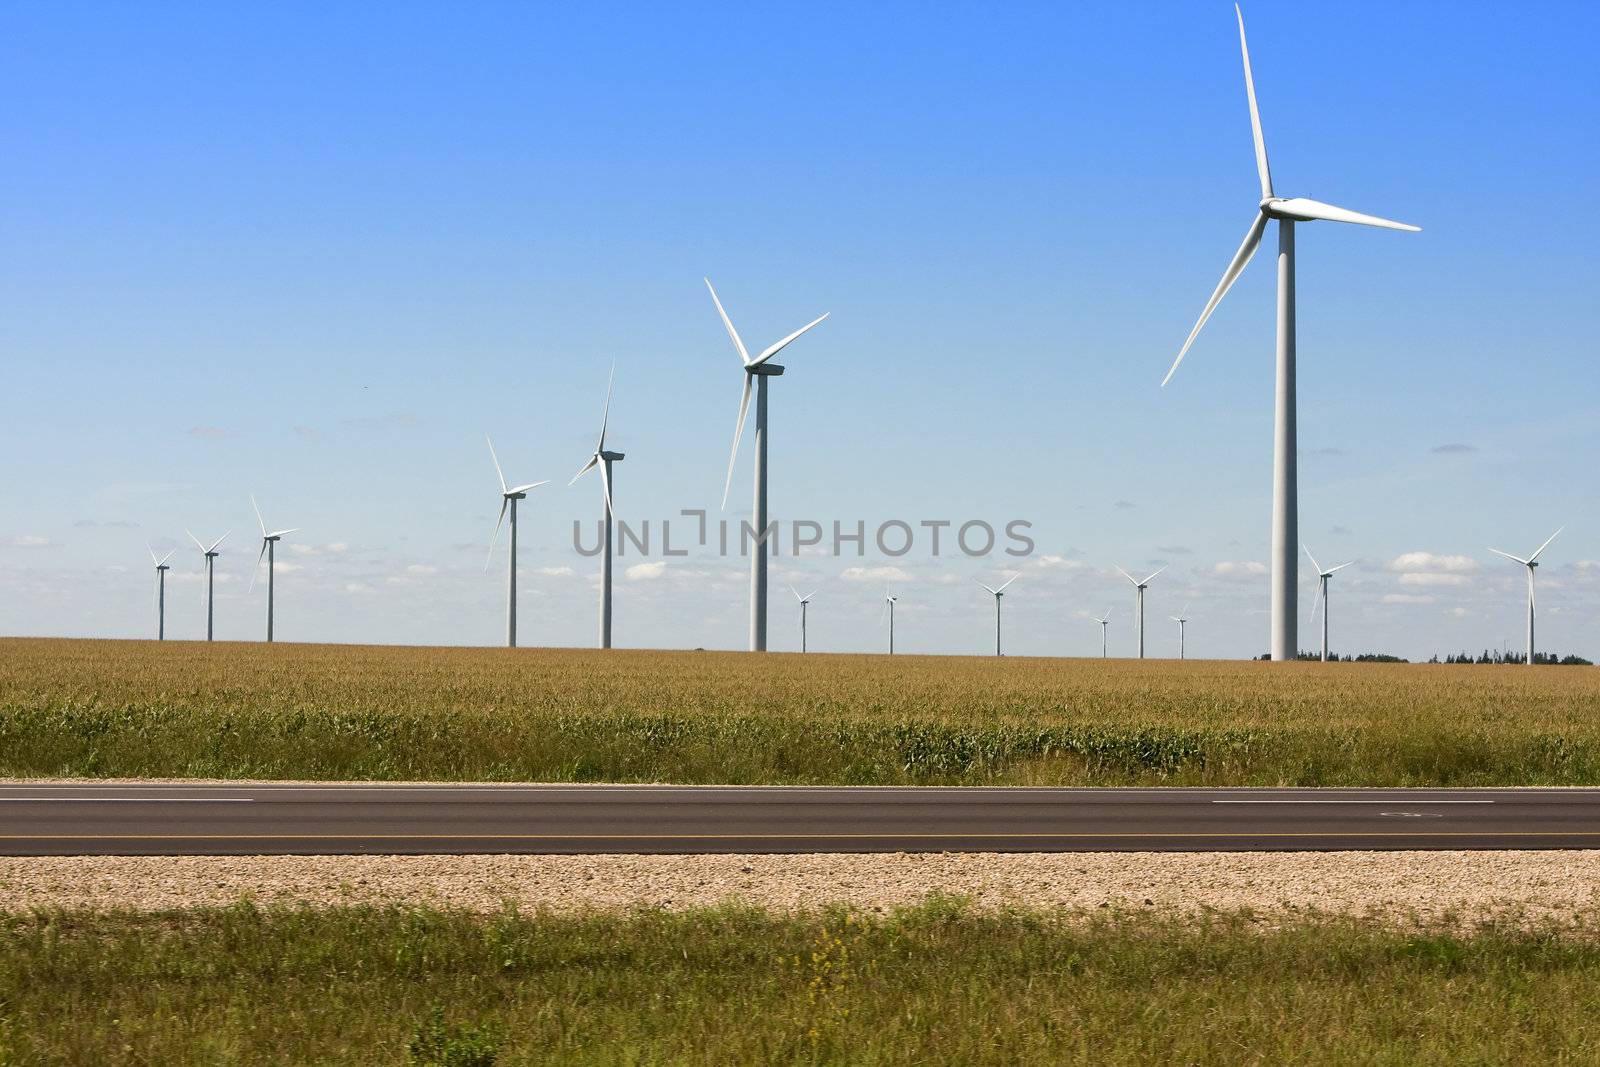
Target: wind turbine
760	370
889	602
1182	621
805	602
1285	502
1531	562
603	459
997	594
1138	602
269	543
509	495
1322	596
211	568
1104	621
161	591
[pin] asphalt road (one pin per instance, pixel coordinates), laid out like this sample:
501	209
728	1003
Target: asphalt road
183	819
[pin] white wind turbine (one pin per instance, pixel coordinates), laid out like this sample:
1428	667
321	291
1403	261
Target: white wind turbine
1138	602
759	369
509	495
269	543
1531	563
1104	621
805	602
603	459
997	594
889	602
1285	502
211	568
1322	596
1182	620
161	591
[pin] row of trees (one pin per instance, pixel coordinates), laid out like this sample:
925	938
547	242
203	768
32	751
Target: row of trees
1497	656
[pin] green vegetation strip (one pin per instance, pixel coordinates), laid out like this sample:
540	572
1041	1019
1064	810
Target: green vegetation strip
939	983
135	709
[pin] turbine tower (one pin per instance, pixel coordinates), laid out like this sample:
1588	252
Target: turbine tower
1322	596
161	591
1138	602
1104	621
805	602
509	495
760	370
889	602
1286	212
1530	563
1182	621
211	569
997	594
603	459
269	543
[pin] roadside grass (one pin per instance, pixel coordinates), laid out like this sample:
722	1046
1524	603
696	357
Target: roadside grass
186	709
939	983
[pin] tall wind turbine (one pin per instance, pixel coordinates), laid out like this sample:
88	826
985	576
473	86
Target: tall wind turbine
997	594
1182	620
1286	212
1322	596
211	569
509	495
1104	621
805	602
889	602
1530	563
1138	602
161	591
269	544
758	369
603	459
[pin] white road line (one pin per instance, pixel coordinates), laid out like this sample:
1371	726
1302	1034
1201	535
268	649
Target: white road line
1391	800
127	800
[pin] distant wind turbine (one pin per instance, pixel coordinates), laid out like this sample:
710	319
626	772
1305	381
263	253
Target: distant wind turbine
760	370
1322	596
889	602
161	591
1530	563
997	594
1104	621
1138	602
805	602
211	568
1285	499
509	495
603	459
269	542
1182	621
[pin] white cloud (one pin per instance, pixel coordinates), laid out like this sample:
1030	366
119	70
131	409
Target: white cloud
1426	578
1049	562
875	574
421	570
1241	570
1427	561
1408	598
645	572
554	572
30	541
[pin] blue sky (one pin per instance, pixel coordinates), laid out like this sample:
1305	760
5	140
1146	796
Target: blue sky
316	254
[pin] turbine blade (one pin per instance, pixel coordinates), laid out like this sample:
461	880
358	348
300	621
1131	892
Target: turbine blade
525	488
808	596
594	461
218	541
1241	259
1340	567
284	533
1007	582
605	415
259	520
1153	574
1509	556
1262	169
738	432
1300	207
1314	564
257	568
498	472
1316	603
991	591
166	557
796	593
744	353
1546	545
152	554
1126	575
781	345
605	484
505	502
202	548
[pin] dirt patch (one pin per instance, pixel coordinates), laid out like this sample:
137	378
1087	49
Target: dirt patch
1540	886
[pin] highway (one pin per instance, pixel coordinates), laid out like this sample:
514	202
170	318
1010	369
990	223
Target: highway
198	819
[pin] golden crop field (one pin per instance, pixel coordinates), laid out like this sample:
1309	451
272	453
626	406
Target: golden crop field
126	708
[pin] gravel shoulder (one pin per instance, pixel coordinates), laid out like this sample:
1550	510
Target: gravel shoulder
1534	887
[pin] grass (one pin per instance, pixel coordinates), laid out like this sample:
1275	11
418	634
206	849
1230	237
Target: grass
105	708
934	984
